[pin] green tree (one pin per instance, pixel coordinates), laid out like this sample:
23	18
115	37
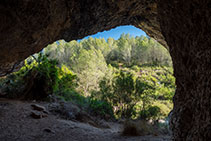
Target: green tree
90	67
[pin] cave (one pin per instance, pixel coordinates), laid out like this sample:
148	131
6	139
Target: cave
184	27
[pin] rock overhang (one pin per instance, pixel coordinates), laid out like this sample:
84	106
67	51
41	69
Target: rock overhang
27	26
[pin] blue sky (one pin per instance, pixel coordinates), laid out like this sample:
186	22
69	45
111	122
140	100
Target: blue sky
116	32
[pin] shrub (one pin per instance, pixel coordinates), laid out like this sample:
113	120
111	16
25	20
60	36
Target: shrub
135	68
151	112
165	107
39	78
36	80
137	128
100	108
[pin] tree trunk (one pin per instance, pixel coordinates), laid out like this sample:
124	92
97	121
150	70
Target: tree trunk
186	26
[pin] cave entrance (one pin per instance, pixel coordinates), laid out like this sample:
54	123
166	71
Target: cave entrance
122	66
121	73
183	26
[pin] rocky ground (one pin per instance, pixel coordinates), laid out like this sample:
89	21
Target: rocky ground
40	121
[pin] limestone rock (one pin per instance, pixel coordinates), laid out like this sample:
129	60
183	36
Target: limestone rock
186	26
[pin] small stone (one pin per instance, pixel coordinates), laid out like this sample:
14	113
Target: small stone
35	115
38	107
38	115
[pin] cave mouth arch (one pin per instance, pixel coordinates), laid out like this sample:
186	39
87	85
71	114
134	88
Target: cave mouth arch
141	55
137	44
182	26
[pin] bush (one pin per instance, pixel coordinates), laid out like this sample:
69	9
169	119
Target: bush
100	108
135	68
36	80
39	78
137	128
152	112
165	107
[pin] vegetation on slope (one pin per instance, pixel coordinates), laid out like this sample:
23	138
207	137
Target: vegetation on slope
125	78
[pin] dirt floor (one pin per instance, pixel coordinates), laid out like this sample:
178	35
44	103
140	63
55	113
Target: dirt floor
18	123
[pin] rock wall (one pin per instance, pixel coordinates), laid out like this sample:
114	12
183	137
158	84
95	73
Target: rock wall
186	26
27	26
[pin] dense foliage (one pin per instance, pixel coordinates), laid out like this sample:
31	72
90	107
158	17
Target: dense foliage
145	94
127	78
